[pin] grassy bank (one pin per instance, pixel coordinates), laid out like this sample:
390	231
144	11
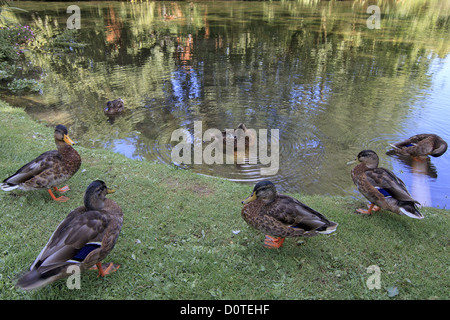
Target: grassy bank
177	240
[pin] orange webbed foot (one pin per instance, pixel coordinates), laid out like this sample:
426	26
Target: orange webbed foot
105	269
62	190
60	199
273	243
371	208
374	207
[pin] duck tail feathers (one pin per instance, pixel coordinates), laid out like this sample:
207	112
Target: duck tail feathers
411	212
34	279
394	146
329	228
5	186
31	280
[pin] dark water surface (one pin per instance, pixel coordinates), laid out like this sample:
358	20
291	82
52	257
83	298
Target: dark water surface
312	69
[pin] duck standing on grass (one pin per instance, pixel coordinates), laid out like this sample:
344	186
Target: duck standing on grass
84	238
280	216
382	187
49	169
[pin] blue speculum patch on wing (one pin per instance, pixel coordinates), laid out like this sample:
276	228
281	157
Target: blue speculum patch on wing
83	252
384	192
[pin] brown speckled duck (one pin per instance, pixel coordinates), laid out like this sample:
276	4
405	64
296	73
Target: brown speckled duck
382	187
83	239
421	145
49	169
280	216
114	107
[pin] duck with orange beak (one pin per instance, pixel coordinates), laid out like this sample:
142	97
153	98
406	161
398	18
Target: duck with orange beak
49	169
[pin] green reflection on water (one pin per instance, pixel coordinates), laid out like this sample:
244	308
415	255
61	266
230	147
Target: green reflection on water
312	69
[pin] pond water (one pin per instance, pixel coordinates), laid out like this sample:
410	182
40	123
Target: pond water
314	70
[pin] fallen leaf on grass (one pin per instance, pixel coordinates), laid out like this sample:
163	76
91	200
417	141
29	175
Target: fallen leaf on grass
392	291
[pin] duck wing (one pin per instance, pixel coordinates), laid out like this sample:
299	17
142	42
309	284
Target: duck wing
33	168
294	213
76	232
388	184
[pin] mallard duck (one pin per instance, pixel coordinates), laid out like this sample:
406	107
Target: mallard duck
240	133
83	239
280	216
382	187
49	169
114	107
421	145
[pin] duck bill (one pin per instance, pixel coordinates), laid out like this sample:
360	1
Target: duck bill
351	162
250	198
108	190
68	140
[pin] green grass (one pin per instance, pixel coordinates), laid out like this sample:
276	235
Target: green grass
177	241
